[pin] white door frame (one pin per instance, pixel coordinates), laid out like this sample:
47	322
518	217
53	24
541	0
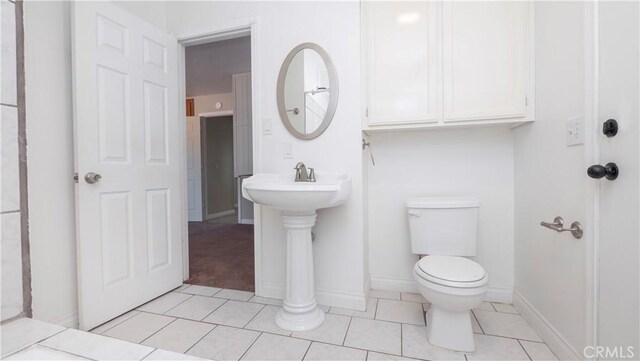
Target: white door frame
592	156
227	30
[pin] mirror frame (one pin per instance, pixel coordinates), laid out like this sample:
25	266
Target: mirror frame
333	91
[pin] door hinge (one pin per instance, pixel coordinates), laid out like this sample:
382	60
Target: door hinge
75	177
526	100
366	112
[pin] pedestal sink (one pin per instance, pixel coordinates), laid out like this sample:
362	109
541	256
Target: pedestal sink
298	202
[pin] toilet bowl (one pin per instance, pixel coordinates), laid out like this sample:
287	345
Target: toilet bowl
453	286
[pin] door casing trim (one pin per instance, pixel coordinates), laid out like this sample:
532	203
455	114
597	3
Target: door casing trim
228	30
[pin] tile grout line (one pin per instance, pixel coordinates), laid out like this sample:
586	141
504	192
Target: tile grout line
34	343
160	329
525	350
254	316
10	212
344	339
478	321
212	311
402	343
200	339
126	319
307	351
147	355
70	353
250	346
185	300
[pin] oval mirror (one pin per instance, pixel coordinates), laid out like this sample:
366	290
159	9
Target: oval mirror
307	91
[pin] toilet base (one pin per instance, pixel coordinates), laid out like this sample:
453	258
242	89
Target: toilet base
450	329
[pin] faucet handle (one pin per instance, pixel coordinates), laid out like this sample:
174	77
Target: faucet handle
312	175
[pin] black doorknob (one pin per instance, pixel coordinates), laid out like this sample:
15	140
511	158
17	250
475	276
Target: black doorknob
609	171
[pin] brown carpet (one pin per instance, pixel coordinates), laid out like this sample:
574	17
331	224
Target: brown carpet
221	255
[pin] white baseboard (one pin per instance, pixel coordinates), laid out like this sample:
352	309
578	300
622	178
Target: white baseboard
394	284
246	221
499	294
324	297
397	284
221	214
545	330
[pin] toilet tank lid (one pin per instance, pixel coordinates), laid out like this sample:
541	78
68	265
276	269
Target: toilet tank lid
443	202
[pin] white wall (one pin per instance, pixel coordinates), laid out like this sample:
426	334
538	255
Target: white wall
50	154
10	230
476	162
338	248
550	179
207	103
50	161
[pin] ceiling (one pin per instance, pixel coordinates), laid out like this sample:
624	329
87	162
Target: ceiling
209	66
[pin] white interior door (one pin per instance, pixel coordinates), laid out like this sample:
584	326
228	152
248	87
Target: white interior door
619	246
127	130
194	170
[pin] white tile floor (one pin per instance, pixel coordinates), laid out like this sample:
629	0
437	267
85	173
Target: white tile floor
200	322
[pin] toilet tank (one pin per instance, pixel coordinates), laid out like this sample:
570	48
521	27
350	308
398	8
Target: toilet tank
443	226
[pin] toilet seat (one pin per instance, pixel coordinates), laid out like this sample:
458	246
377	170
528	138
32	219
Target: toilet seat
451	271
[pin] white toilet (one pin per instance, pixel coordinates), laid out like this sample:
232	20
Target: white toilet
443	231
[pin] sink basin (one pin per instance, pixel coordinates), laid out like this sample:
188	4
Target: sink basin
298	202
281	192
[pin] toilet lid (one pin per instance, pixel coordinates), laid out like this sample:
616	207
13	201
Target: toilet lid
450	268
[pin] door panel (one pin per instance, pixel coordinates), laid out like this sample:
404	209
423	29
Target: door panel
619	246
403	61
242	141
194	170
126	129
493	34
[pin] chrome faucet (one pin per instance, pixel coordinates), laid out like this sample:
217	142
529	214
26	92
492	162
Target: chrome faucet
304	175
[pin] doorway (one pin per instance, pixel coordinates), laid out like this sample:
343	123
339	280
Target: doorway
219	157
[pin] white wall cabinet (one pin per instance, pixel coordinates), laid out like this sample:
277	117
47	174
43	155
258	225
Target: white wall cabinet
435	64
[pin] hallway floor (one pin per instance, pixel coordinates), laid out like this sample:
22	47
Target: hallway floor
221	254
221	324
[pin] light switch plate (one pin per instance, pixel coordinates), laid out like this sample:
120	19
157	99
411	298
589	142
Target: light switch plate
575	131
266	126
287	151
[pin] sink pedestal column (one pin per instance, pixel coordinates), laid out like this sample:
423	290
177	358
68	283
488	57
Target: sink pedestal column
300	312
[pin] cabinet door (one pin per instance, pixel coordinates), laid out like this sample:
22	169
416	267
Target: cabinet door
484	57
402	61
